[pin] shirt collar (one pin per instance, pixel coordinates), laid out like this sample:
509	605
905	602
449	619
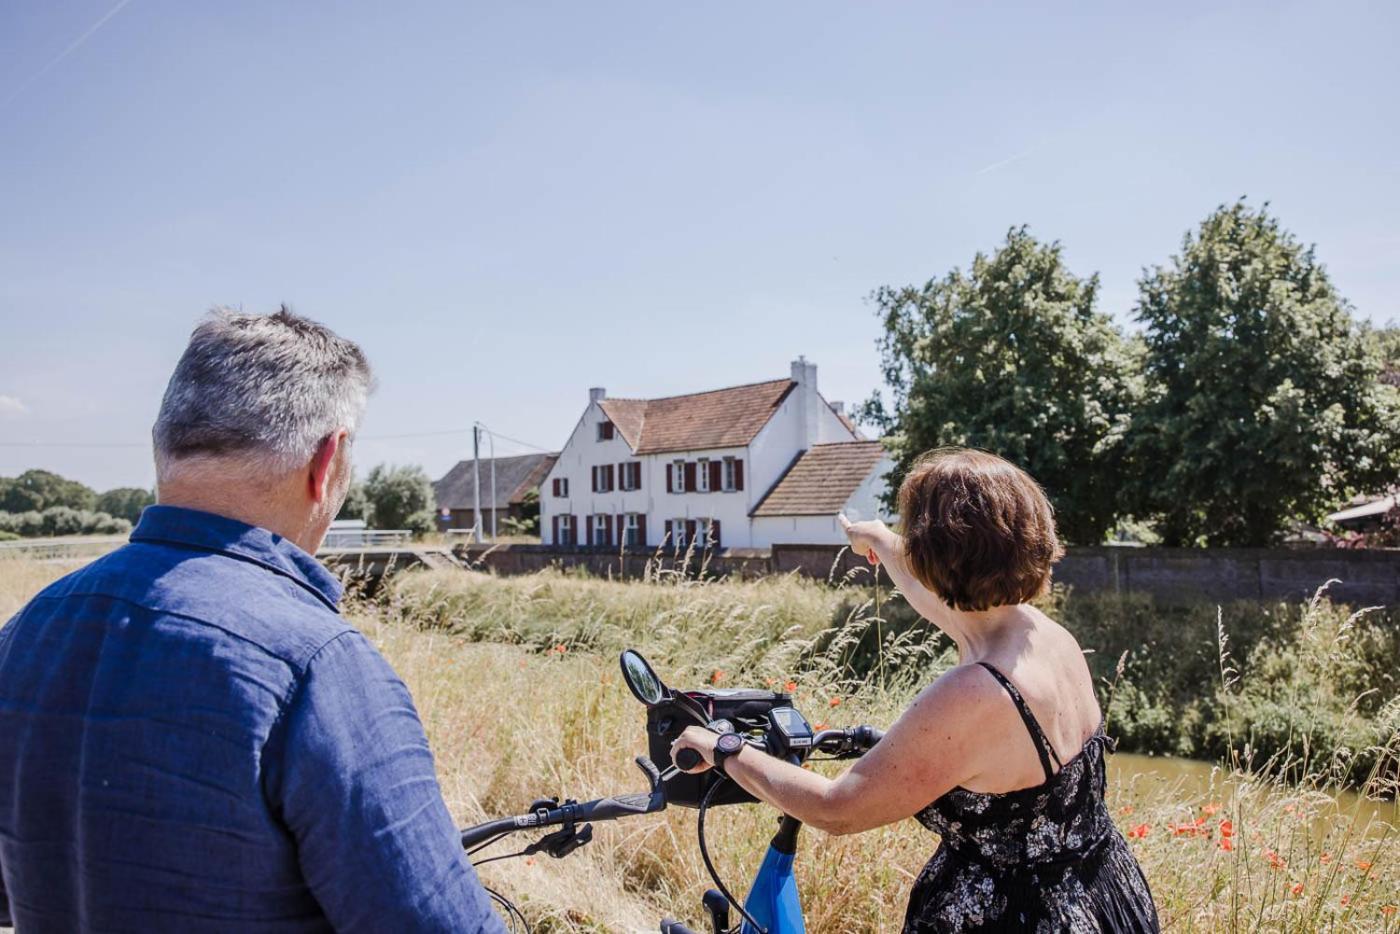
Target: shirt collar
190	528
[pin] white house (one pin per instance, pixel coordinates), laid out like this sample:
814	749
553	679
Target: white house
748	466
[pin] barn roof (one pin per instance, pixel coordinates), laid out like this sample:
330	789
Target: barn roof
515	476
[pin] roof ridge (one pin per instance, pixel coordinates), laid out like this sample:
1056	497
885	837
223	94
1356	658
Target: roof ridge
703	392
832	444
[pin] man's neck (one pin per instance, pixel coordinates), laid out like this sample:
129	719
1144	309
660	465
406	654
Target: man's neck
268	506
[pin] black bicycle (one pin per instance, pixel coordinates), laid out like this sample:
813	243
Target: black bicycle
766	720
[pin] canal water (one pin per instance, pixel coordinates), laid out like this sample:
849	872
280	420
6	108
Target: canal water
1138	779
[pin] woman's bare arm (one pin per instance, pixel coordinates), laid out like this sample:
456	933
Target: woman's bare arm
935	745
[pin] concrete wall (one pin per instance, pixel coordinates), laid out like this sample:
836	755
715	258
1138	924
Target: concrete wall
1172	575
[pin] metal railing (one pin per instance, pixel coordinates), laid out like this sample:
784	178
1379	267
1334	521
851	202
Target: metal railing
366	538
42	549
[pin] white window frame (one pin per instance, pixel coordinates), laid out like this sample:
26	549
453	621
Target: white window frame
702	533
678	533
630	527
678	476
600	529
564	488
603	427
625	471
727	472
566	528
702	475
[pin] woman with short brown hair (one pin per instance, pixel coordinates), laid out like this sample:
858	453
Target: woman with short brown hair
1003	755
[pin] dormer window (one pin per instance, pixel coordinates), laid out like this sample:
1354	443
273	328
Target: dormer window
605	431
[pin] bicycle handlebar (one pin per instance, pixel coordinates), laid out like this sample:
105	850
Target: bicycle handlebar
612	807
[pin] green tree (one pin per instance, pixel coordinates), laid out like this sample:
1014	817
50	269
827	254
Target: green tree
125	502
38	490
1012	357
1264	403
398	495
357	505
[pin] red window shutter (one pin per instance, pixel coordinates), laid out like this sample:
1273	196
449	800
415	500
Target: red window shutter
716	474
555	486
593	478
689	531
612	478
714	534
621	528
738	474
585	533
690	476
670	534
607	531
642	529
670	480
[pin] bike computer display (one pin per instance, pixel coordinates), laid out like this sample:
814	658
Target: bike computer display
792	726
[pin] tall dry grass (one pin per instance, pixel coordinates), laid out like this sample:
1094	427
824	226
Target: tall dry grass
517	684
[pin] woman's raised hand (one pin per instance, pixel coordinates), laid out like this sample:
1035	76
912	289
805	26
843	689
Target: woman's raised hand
866	536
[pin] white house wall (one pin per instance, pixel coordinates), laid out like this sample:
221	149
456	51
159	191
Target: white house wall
866	502
583	452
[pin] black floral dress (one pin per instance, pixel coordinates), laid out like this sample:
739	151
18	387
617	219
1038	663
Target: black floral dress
1042	859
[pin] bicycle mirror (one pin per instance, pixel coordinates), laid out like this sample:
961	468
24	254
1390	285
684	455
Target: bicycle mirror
641	679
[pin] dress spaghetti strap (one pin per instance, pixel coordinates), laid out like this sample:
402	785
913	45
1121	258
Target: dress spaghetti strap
1043	747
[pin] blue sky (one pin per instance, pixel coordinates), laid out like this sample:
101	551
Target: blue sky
509	203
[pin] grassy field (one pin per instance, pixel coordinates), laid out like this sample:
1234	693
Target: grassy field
517	683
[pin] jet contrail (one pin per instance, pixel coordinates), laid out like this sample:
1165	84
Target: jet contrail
72	46
1007	161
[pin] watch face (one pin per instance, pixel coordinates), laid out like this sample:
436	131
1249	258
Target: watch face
729	743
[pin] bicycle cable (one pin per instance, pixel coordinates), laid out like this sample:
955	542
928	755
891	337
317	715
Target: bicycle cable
710	866
512	912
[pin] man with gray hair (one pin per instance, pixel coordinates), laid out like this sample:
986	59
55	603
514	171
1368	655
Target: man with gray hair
191	738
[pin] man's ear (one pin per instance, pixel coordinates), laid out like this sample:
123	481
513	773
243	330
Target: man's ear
320	475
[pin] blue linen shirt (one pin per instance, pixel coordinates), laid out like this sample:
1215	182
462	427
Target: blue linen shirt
192	739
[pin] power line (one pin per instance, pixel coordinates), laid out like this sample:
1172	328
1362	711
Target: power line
394	437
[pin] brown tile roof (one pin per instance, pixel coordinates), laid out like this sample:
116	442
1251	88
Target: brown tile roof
721	418
820	480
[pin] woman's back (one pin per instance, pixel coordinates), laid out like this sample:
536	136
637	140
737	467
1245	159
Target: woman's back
1040	857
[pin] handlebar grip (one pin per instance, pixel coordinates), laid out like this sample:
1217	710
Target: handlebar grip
688	759
471	836
868	736
672	926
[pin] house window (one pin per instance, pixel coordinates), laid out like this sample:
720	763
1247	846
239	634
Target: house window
678	476
603	478
566	530
729	471
678	533
600	530
702	533
631	530
561	486
702	476
630	475
605	431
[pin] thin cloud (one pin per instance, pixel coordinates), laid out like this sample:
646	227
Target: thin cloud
9	405
72	47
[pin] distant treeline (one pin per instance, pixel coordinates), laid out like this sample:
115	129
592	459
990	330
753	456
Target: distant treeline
41	503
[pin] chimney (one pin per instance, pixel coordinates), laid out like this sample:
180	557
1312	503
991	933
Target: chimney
597	394
804	374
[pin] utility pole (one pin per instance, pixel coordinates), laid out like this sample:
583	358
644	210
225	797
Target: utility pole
476	486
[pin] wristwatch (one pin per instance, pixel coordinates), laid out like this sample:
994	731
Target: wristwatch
727	745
